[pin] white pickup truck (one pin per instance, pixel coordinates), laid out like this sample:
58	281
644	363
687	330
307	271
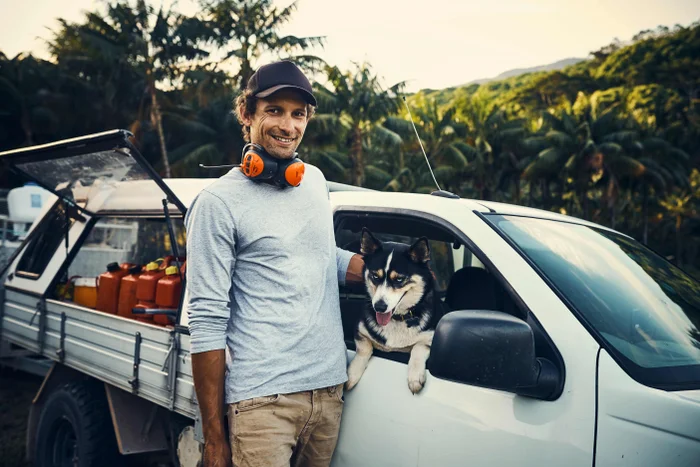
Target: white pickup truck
569	344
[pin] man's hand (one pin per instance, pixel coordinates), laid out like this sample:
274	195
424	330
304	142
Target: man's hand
355	267
208	370
217	454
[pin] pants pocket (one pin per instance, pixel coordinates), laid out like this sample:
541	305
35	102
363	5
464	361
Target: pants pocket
254	403
336	393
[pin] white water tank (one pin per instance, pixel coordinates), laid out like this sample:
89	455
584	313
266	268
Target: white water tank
24	205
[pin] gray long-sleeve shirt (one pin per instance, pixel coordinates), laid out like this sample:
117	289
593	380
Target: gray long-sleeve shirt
262	275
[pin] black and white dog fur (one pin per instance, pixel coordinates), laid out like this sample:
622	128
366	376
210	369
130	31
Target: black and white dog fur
404	310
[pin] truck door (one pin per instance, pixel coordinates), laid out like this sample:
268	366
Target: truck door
451	423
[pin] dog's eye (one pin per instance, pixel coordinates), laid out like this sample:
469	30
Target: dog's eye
401	280
374	276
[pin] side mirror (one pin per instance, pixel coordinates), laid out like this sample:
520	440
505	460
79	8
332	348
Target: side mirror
494	350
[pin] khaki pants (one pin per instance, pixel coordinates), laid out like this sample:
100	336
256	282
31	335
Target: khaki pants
298	430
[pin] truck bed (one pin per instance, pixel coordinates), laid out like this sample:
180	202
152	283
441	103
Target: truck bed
150	361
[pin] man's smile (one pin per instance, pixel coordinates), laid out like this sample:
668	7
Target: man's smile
283	139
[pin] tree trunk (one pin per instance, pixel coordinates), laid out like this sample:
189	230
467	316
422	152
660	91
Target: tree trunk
27	126
679	243
584	202
546	202
156	118
246	67
645	214
485	192
358	168
613	215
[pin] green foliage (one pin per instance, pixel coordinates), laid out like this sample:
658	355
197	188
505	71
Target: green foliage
614	138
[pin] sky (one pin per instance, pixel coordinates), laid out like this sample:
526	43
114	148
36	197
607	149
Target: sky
427	43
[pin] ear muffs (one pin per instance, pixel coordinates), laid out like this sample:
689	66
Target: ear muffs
294	172
258	165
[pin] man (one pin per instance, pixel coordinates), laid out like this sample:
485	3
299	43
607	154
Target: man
263	273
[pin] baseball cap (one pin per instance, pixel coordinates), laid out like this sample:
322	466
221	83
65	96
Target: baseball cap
272	77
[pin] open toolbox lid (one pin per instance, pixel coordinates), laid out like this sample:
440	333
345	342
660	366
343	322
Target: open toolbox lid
80	170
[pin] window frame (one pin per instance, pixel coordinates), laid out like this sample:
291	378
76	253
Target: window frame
149	215
23	250
553	352
634	371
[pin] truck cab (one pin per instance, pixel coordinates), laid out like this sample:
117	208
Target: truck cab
567	343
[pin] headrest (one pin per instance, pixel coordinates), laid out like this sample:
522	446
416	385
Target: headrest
472	289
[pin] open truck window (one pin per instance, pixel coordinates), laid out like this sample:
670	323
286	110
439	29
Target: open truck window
125	240
44	243
119	248
462	281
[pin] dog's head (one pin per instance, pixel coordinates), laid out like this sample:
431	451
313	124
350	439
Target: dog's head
397	275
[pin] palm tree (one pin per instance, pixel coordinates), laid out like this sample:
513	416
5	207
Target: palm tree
204	134
245	30
664	171
497	139
324	144
679	205
29	88
442	138
584	143
127	41
360	104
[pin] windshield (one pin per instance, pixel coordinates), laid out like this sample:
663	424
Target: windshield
645	310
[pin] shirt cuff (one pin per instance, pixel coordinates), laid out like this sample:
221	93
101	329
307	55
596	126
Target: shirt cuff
342	258
207	344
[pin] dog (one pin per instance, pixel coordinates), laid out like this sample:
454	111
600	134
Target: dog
404	310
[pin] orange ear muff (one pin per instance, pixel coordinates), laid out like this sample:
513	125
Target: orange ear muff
294	173
252	165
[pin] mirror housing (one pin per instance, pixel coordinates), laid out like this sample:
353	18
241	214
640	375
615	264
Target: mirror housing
494	350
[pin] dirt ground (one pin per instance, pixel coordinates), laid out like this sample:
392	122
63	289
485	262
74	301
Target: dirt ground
17	390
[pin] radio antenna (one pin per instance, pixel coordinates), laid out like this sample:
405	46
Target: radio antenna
227	166
439	192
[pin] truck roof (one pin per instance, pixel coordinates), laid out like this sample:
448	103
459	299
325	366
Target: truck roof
143	196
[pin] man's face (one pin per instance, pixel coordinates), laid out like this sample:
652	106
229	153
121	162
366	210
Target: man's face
279	123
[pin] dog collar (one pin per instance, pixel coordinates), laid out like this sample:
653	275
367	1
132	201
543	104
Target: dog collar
408	318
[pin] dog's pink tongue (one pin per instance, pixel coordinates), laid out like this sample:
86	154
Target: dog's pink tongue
383	318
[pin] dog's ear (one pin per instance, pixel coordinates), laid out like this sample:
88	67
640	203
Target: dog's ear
420	251
369	244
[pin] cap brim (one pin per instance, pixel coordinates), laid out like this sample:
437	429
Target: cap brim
307	95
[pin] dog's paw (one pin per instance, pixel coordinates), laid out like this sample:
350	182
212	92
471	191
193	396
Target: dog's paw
416	380
355	371
349	384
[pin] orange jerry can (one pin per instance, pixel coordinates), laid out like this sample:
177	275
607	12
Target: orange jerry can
148	282
127	292
146	289
85	292
108	288
127	266
169	288
168	294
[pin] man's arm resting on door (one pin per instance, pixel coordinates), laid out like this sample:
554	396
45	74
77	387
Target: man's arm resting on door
349	266
355	267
